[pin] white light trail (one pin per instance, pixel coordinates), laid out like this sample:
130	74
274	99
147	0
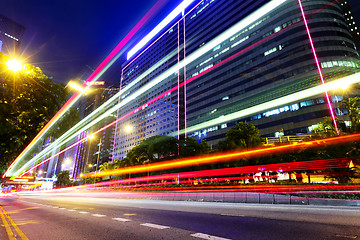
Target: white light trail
355	78
179	9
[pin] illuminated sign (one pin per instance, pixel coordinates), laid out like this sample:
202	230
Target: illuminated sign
95	83
179	9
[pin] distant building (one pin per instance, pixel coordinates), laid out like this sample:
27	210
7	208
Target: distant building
11	34
97	150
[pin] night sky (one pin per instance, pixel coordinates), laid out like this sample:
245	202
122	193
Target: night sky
67	37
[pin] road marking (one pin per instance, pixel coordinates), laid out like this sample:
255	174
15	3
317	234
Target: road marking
17	229
55	207
129	214
98	215
72	210
62	208
232	215
154	226
122	219
83	212
7	227
206	236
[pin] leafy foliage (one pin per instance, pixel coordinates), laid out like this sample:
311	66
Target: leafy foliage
352	105
243	135
28	100
63	179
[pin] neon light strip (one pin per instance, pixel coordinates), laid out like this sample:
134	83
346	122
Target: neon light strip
318	66
178	80
92	77
159	27
185	101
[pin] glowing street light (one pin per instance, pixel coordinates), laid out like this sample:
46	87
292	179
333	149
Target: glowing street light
67	161
76	87
128	128
14	65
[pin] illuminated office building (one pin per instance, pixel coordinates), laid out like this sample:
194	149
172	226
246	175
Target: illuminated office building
220	62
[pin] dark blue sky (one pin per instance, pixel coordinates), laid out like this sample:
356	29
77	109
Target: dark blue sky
63	37
66	37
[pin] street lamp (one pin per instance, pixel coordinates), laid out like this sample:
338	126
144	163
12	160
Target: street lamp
67	161
97	161
128	128
76	87
14	65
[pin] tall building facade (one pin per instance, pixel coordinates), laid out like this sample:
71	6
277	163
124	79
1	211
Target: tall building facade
349	18
220	62
11	34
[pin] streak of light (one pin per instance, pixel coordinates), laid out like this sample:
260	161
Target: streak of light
179	9
224	157
283	167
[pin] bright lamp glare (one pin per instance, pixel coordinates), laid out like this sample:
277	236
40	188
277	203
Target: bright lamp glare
14	65
76	87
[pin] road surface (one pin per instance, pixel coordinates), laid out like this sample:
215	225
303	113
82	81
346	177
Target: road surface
90	218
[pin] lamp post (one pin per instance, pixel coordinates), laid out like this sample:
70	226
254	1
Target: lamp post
97	161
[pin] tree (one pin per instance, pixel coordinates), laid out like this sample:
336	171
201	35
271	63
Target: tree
191	147
244	135
153	149
352	105
63	179
326	128
106	166
28	100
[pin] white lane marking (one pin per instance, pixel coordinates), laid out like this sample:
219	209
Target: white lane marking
62	208
72	210
122	219
98	215
206	236
83	212
233	215
55	207
154	226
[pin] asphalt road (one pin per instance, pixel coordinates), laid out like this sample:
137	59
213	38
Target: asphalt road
53	217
